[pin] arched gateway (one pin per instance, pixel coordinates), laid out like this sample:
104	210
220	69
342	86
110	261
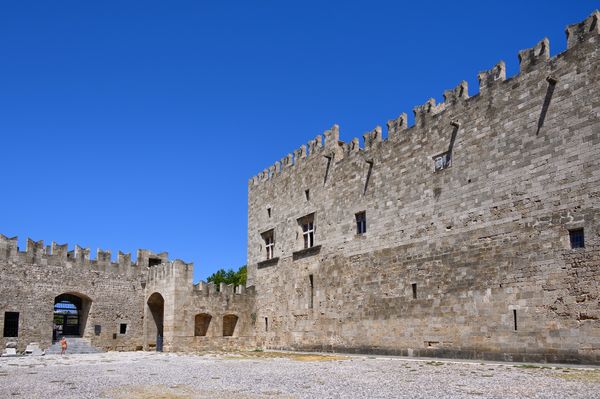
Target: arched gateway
156	306
70	315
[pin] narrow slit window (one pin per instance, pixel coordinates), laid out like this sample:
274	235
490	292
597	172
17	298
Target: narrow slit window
11	324
312	291
327	169
269	212
361	223
307	194
577	238
266	324
414	290
515	318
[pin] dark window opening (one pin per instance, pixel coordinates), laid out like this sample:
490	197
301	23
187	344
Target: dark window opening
414	290
97	329
361	223
154	262
312	291
515	318
269	238
307	194
11	324
441	161
269	212
266	324
327	169
122	328
368	176
577	238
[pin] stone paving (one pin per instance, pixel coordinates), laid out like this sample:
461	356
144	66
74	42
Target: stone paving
144	375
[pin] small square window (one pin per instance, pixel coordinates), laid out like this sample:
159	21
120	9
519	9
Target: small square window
361	223
577	238
441	161
122	328
269	238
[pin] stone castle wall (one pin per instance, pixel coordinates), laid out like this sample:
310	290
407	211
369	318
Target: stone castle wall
112	292
216	306
450	257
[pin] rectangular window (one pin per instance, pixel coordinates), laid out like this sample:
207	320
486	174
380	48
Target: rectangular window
577	239
515	318
266	324
122	328
269	238
361	222
307	223
307	194
11	324
97	329
414	290
269	212
441	161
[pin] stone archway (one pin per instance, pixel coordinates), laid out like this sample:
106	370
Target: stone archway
71	310
155	324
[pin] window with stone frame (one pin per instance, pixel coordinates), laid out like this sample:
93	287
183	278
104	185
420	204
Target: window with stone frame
442	161
361	223
269	239
576	238
307	226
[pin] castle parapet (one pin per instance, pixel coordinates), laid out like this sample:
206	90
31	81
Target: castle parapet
488	79
455	98
582	31
530	57
59	255
224	291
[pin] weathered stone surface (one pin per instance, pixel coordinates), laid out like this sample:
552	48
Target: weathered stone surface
450	257
471	259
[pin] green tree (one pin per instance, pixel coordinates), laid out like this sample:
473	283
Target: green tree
229	276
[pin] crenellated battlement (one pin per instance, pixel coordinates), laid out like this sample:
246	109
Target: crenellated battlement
223	290
59	255
530	60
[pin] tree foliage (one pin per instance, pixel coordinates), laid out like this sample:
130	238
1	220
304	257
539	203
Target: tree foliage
229	276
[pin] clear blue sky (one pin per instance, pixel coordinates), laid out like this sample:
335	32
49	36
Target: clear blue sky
130	125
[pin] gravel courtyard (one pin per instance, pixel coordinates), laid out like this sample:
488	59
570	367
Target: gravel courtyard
141	375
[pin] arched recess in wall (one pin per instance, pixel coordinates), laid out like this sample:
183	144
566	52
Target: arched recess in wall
201	323
71	311
229	323
155	324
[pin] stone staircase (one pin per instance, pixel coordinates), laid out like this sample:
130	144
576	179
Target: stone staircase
74	345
